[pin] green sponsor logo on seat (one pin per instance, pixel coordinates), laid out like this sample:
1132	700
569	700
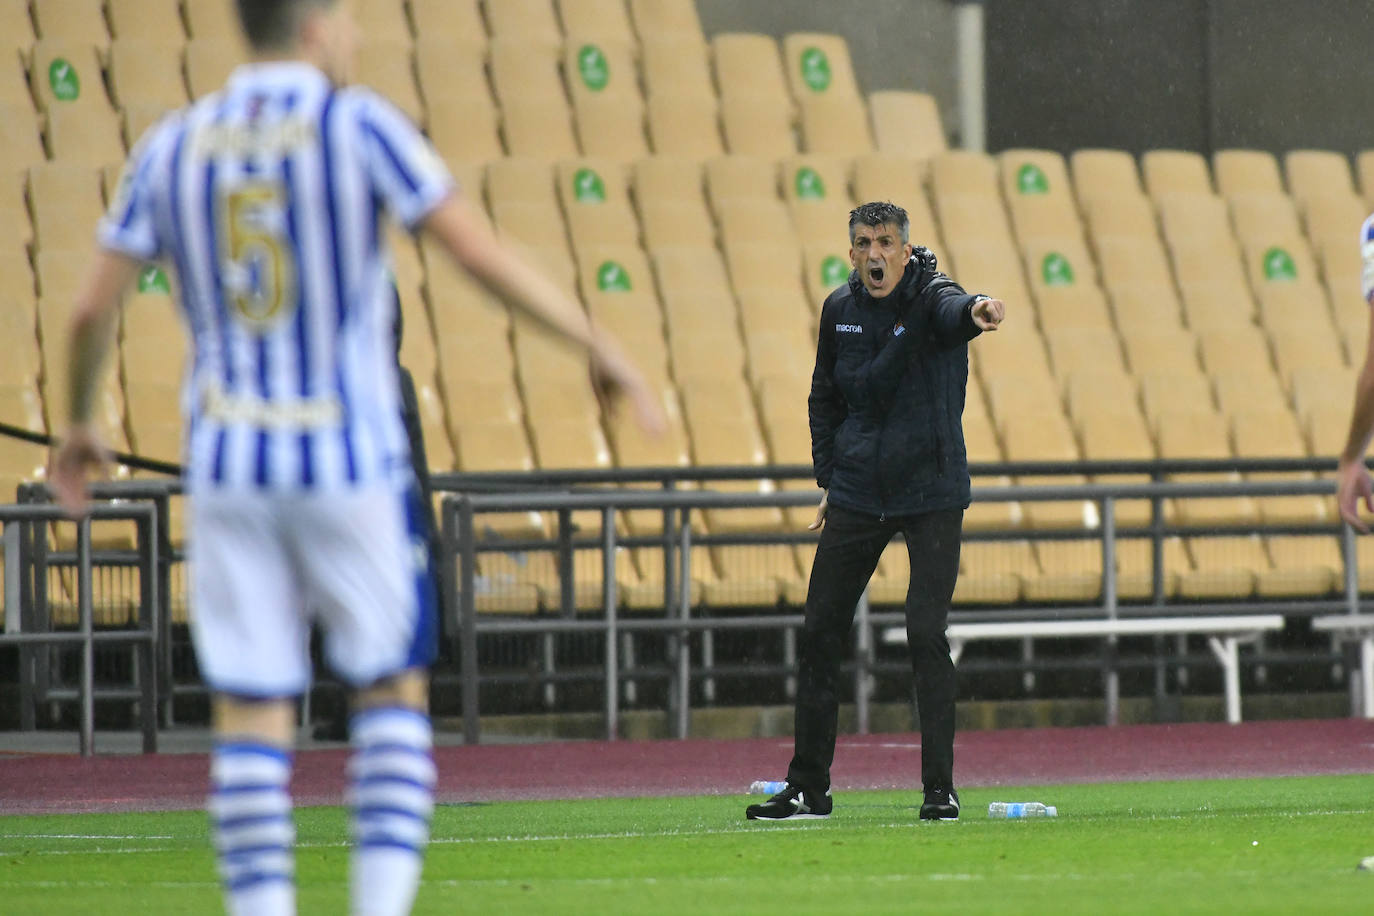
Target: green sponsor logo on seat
152	280
592	65
815	69
834	270
612	278
1030	179
1278	265
66	85
809	184
588	187
1056	270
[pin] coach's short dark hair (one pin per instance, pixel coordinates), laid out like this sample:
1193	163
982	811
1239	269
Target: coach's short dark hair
880	213
271	24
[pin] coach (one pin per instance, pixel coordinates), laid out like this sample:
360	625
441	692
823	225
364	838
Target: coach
887	398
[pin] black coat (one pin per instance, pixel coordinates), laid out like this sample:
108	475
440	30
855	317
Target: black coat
887	394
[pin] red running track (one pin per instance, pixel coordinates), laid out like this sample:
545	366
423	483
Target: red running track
53	783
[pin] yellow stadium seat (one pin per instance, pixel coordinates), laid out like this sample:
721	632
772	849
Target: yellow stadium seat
446	76
1334	216
1314	174
1150	306
744	222
818	65
1300	347
16	33
524	72
1300	567
993	572
387	65
1238	347
740	177
529	21
744	59
757	125
1045	435
835	126
538	128
907	123
897	177
21	143
1193	430
608	20
458	21
1223	567
1113	429
666	17
685	126
1171	388
664	178
70	20
212	19
64	204
1077	348
145	20
1134	262
1044	216
383	20
66	72
609	128
1167	171
1273	432
209	61
1246	171
675	223
1258	215
84	137
808	177
146	72
1104	173
1072	307
464	130
1189	217
677	66
1056	262
964	172
1126	214
972	218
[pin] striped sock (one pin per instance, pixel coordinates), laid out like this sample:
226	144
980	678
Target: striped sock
392	792
250	814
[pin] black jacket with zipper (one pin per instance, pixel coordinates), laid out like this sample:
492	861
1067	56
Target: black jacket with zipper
887	394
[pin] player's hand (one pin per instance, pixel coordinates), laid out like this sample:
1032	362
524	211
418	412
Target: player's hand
988	313
820	512
1352	488
614	376
79	452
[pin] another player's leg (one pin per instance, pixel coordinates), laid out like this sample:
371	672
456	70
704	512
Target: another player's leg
251	641
933	546
846	556
367	562
250	805
391	791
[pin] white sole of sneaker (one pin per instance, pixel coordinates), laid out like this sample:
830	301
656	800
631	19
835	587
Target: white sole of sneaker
791	817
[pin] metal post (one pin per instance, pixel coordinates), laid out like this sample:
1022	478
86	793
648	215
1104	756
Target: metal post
863	661
1351	572
609	600
1109	603
467	615
681	642
1156	546
83	604
10	598
566	574
972	80
162	532
148	597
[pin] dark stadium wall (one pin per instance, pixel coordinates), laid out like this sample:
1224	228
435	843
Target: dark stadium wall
1194	74
895	44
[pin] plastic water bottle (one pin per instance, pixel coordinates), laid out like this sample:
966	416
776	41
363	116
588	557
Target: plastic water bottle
1021	809
766	787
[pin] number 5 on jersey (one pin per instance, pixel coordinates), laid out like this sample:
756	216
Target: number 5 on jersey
259	269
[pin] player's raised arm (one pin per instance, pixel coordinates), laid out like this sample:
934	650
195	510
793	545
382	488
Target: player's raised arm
477	249
90	337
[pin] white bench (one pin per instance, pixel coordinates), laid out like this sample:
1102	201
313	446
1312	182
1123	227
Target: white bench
1225	633
1355	628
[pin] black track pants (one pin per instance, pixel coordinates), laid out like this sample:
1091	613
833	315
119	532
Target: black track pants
846	557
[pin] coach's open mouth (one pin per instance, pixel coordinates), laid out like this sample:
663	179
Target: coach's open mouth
876	275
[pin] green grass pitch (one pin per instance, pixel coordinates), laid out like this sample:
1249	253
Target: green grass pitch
1224	846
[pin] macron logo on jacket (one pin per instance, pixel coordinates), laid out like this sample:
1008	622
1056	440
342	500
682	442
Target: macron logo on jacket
849	329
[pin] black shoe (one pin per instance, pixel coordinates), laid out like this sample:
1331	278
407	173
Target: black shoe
940	805
792	803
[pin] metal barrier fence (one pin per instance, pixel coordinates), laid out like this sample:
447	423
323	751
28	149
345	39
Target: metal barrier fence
461	542
473	495
28	623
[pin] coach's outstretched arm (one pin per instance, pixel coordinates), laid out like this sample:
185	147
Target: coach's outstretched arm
477	249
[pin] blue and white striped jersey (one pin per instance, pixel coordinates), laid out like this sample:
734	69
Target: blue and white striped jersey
1367	259
267	199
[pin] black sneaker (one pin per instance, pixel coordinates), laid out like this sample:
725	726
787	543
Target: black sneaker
940	805
792	803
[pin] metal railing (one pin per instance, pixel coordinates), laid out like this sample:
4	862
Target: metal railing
461	543
29	626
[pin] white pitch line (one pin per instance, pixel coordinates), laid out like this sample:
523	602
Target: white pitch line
83	836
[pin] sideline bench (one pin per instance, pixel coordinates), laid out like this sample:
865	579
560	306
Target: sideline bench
1355	628
1225	633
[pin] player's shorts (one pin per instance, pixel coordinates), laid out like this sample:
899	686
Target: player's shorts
264	567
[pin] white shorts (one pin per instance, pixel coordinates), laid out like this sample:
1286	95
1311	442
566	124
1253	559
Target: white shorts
264	566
